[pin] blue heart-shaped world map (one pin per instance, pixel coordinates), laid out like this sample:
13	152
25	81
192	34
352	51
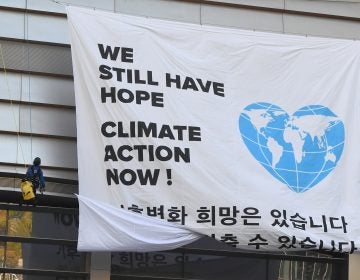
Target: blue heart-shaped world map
298	150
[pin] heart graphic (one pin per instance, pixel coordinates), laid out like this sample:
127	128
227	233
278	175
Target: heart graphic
298	150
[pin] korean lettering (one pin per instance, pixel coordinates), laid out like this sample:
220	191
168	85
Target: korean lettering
158	259
155	211
342	225
135	208
258	241
287	242
206	215
335	223
298	221
68	251
280	218
352	246
141	259
177	215
230	213
229	239
181	259
323	224
341	246
307	243
251	214
126	259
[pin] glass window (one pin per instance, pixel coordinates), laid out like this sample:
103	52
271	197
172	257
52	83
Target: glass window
43	225
13	276
44	256
306	270
196	266
20	223
3	222
226	268
150	264
2	252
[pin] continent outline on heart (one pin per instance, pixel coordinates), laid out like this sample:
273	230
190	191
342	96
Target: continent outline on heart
304	147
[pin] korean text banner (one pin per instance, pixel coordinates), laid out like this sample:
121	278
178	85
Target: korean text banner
249	137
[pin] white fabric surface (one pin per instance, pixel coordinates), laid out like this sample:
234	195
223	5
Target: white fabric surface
277	164
100	225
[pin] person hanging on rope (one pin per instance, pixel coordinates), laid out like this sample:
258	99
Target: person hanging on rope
34	179
35	175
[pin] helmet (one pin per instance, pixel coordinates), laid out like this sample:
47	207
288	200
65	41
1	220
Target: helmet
37	161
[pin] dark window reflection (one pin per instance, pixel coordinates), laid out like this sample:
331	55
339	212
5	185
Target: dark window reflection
12	276
19	223
44	256
212	267
196	266
307	271
2	253
192	266
45	225
3	222
154	263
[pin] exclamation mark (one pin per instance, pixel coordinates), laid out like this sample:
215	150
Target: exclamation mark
168	173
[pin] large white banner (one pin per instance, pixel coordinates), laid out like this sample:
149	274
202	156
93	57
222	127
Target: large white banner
249	137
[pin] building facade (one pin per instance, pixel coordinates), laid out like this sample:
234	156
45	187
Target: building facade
37	118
